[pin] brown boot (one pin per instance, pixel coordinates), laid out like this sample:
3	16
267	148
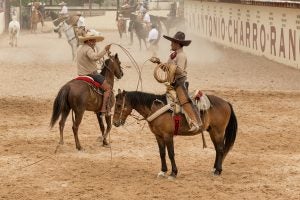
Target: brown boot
187	105
106	96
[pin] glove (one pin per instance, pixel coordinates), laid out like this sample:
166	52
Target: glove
155	60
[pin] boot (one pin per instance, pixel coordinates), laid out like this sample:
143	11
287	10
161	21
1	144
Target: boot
187	105
194	121
105	101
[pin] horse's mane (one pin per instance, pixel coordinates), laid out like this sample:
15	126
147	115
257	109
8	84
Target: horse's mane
103	68
143	98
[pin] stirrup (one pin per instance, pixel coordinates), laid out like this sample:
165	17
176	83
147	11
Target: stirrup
194	128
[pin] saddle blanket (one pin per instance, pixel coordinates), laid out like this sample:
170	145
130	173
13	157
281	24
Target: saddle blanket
199	99
89	79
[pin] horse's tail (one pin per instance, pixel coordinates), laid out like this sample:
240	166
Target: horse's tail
230	132
60	104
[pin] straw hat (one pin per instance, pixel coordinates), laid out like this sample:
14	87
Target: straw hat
91	35
78	13
179	38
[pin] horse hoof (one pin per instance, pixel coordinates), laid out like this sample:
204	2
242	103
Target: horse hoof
106	145
161	174
217	173
171	177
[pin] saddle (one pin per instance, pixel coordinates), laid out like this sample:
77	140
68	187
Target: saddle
199	99
95	86
92	83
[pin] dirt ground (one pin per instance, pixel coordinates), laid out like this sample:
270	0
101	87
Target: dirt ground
263	164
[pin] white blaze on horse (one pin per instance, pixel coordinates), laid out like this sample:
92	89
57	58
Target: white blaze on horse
13	29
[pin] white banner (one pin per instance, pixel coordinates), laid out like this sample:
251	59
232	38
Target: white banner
270	31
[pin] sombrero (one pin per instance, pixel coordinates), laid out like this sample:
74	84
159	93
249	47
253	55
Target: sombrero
91	35
179	38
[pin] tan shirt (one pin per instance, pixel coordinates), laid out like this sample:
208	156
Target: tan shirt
181	61
86	59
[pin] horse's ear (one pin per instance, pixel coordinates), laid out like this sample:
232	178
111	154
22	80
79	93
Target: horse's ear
119	91
116	56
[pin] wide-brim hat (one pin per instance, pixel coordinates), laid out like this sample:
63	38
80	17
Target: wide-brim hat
91	35
179	38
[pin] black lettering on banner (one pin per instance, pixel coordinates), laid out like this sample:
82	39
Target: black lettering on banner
262	35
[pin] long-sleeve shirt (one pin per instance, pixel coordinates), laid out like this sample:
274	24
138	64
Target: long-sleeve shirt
153	34
180	61
64	10
86	59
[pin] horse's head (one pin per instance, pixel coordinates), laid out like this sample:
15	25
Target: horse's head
123	108
116	66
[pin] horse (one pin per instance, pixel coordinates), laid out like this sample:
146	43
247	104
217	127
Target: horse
219	120
142	31
172	22
121	24
13	29
79	96
35	18
71	37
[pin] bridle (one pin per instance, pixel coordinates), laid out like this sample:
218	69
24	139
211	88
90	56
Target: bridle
106	65
122	109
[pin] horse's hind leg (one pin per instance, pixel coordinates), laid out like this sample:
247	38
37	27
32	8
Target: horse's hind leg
170	146
76	123
62	122
218	141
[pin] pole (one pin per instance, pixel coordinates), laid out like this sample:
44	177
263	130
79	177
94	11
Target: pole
90	7
20	14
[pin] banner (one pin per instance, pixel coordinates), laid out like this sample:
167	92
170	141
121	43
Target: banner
273	32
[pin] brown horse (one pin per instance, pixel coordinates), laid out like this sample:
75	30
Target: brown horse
78	96
219	120
35	18
121	24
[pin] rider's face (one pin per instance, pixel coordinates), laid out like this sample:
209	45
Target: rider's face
175	46
91	43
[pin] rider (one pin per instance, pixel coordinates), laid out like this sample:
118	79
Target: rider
153	39
87	56
64	9
81	30
178	60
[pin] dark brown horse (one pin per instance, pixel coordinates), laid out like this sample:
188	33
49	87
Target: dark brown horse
79	96
136	25
35	18
219	120
173	22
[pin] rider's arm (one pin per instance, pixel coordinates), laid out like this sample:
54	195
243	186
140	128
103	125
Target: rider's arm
95	55
181	61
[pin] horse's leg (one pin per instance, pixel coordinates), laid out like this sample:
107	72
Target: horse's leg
170	146
76	123
218	142
162	153
101	125
10	39
108	128
140	42
62	122
145	43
